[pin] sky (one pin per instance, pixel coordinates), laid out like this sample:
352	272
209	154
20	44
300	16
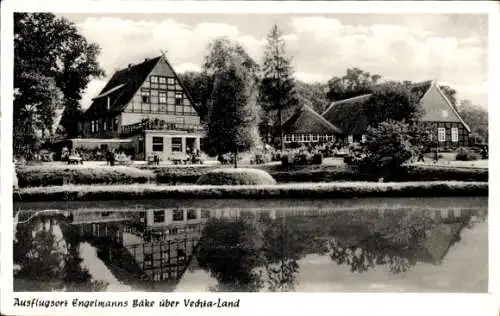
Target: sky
449	48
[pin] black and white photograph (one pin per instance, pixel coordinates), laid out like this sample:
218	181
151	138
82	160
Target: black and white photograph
249	152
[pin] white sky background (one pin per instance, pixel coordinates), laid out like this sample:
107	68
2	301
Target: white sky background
450	48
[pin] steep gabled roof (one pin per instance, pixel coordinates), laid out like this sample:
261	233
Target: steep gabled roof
121	87
421	89
307	121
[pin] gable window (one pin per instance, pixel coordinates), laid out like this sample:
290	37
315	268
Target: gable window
154	79
454	134
176	144
441	134
157	143
162	80
158	216
444	113
178	98
171	81
145	96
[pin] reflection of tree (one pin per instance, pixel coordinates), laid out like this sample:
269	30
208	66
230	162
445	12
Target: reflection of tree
283	247
46	265
39	257
230	251
400	249
76	277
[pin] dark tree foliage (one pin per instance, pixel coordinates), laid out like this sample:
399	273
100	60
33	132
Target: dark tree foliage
233	114
277	89
451	94
477	118
313	94
199	86
52	47
392	101
387	147
354	83
231	250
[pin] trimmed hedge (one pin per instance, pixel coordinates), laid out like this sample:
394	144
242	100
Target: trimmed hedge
42	176
280	191
239	176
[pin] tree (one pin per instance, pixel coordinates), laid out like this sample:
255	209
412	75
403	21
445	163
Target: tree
387	147
476	117
34	110
312	93
230	249
354	83
277	90
232	118
199	85
392	101
451	94
53	48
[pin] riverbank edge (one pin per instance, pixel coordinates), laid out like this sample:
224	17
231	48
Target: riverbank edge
278	191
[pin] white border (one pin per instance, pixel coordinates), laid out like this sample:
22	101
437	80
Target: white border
344	304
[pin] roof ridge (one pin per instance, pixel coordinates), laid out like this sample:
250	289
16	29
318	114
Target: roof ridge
344	100
310	109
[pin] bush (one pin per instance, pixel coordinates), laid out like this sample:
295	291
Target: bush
464	154
281	191
317	159
49	176
239	176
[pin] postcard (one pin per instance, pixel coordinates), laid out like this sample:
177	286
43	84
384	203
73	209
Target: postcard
193	157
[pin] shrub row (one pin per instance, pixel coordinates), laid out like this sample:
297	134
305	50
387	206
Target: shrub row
280	191
39	176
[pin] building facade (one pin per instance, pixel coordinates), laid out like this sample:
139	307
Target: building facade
148	104
440	119
306	127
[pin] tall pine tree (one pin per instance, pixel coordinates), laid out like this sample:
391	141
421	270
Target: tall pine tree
277	90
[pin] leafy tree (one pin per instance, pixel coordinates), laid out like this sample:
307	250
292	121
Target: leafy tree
199	86
52	47
231	251
313	93
451	94
354	83
277	90
34	110
476	117
392	101
232	118
387	147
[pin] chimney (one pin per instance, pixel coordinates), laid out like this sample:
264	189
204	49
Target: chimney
146	59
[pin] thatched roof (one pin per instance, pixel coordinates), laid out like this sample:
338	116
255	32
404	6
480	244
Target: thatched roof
307	121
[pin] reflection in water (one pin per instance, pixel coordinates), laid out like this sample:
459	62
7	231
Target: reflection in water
238	249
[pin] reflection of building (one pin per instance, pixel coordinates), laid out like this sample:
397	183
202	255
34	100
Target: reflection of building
147	104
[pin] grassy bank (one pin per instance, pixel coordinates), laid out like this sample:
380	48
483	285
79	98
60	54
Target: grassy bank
280	191
81	175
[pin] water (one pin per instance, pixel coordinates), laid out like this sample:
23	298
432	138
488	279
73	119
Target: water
361	245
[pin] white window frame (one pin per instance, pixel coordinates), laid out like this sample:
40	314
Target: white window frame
363	138
300	138
307	138
454	134
441	134
288	138
350	139
315	138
